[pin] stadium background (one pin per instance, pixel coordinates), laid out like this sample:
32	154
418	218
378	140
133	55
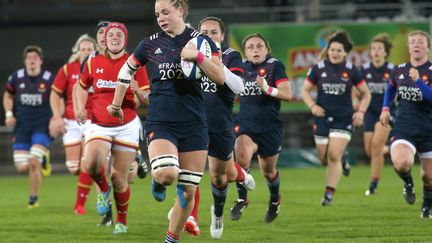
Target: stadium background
297	30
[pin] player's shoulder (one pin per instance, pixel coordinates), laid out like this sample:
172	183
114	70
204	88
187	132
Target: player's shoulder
366	66
47	75
230	52
349	65
390	66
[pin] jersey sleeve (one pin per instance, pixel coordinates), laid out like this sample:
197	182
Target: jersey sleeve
86	79
60	81
357	78
279	73
311	76
142	78
139	54
236	65
11	83
392	80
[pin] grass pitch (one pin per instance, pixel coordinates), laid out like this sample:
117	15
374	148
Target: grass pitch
353	217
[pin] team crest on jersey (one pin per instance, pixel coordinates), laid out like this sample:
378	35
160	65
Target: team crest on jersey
344	76
425	78
150	135
236	128
42	88
386	76
22	86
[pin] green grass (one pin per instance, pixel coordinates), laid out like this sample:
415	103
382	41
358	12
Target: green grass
353	217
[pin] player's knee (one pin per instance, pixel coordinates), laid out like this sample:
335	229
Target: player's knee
118	182
33	164
21	162
219	179
185	194
165	168
333	157
73	166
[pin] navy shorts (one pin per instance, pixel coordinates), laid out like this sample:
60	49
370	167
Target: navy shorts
186	137
370	118
323	125
24	140
422	144
269	143
221	145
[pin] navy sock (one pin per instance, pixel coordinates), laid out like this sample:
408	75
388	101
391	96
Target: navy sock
273	186
219	197
242	192
33	199
427	197
329	191
406	177
374	183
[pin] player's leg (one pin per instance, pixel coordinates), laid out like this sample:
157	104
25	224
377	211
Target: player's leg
271	174
192	166
336	147
122	159
378	142
402	153
426	174
245	148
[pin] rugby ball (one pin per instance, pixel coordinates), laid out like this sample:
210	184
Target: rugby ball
191	70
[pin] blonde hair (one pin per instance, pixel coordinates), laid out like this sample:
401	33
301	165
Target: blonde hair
180	4
423	33
75	49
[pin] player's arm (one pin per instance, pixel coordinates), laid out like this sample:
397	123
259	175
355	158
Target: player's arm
213	68
365	98
234	80
81	100
56	103
8	103
389	97
306	94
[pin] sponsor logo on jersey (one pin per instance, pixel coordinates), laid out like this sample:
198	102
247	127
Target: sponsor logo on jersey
368	76
99	70
106	84
324	75
401	76
22	86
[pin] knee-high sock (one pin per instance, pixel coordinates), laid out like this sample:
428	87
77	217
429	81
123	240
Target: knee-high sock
122	204
194	212
84	186
219	198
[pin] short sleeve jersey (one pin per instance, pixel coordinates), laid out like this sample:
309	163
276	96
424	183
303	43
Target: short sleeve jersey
414	114
101	73
377	80
219	99
31	97
334	84
66	78
260	112
172	98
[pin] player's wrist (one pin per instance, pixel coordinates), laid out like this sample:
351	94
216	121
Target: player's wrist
9	114
199	58
385	109
115	107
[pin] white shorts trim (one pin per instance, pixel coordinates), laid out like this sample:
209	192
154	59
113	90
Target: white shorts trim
126	135
403	141
321	140
74	132
426	155
340	134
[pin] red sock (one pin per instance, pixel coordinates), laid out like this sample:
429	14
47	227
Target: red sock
101	180
194	212
122	204
240	175
84	185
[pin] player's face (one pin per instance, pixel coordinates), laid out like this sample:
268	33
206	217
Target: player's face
256	50
85	48
32	60
212	29
115	40
168	16
417	46
377	51
100	38
336	52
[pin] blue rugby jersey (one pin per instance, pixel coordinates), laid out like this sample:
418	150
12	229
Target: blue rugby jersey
31	97
414	114
260	112
377	80
219	99
334	84
172	98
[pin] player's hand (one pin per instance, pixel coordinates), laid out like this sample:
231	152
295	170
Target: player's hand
260	81
134	85
385	118
81	116
56	127
189	52
414	74
358	118
317	110
115	111
10	121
